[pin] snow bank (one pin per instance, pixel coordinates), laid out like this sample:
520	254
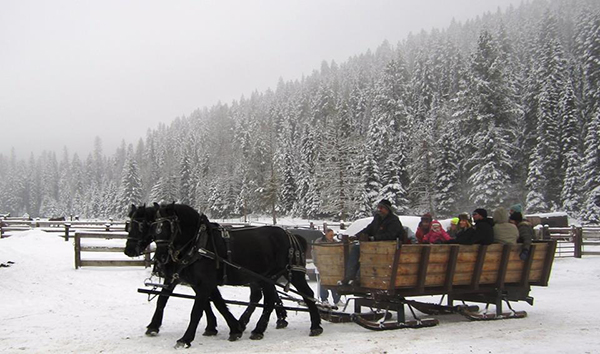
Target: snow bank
46	306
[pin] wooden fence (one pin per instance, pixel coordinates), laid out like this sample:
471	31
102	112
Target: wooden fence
574	241
106	247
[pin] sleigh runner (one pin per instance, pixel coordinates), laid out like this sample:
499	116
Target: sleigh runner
390	272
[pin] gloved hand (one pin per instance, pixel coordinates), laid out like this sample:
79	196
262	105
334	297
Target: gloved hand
524	254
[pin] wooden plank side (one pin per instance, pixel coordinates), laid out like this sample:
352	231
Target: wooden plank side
423	265
548	260
478	267
503	267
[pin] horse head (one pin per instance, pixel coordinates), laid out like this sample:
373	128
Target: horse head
138	229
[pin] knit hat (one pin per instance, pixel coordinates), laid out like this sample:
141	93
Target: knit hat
481	212
516	216
386	204
464	216
517	208
454	221
426	217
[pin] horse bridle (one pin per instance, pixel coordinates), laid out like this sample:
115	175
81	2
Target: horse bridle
180	255
140	224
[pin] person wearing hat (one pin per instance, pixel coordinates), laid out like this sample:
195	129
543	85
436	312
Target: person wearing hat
482	232
504	232
386	226
328	237
526	233
453	230
424	227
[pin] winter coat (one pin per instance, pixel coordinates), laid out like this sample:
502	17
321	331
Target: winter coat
480	234
526	234
440	236
421	232
504	232
385	229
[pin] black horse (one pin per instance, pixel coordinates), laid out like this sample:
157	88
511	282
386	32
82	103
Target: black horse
141	220
207	258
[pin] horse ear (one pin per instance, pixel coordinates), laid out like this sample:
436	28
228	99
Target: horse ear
156	205
133	209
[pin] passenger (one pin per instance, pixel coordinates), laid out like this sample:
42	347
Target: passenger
504	232
324	292
465	231
526	233
424	227
385	226
453	228
437	234
482	233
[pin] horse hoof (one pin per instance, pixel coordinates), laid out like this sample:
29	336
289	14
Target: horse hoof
315	332
281	324
182	345
210	333
152	332
234	336
257	336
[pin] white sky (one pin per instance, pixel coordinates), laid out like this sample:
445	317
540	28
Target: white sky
73	70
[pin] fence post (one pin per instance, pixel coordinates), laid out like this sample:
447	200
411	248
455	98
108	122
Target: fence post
107	227
311	226
77	251
545	232
324	226
1	231
578	241
67	227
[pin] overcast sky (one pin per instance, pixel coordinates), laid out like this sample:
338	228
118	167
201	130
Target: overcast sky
73	70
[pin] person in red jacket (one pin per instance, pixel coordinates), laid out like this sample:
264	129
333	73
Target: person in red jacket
424	227
437	234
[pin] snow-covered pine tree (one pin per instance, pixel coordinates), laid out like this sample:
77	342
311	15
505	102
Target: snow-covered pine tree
570	195
490	165
591	170
131	187
187	183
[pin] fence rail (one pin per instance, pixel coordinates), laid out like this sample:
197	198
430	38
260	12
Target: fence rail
103	235
574	241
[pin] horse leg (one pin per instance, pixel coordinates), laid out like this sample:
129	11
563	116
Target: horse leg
211	321
235	329
154	326
299	282
200	303
281	313
255	296
269	303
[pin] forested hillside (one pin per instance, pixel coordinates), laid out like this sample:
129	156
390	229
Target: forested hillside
501	109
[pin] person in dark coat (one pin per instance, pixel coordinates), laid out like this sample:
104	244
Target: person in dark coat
386	226
526	233
482	232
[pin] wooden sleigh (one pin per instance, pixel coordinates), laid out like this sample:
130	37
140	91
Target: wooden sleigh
390	272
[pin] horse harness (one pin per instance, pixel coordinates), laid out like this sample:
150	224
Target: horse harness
197	248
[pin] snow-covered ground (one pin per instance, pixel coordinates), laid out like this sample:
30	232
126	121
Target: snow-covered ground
46	306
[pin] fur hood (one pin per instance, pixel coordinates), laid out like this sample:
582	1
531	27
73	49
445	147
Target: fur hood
500	216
